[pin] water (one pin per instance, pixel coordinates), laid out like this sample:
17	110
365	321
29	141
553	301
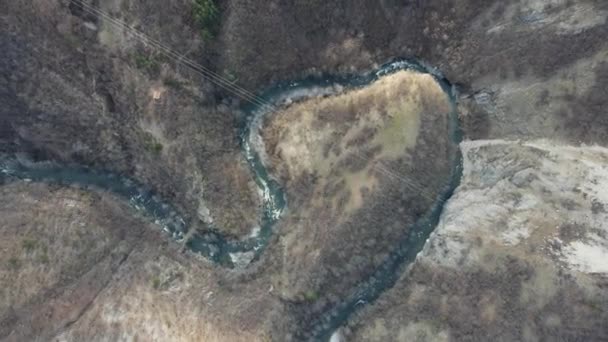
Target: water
408	248
212	243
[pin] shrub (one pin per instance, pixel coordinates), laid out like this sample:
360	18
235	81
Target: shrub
156	283
147	63
157	147
14	263
44	258
206	15
29	244
172	83
311	295
152	145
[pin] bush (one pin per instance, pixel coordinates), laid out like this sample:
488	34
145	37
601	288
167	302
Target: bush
44	258
206	15
157	147
14	263
29	244
172	83
152	145
311	295
147	63
230	76
156	283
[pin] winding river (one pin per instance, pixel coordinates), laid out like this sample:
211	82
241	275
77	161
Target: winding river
215	246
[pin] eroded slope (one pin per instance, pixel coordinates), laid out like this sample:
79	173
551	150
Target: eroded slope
519	253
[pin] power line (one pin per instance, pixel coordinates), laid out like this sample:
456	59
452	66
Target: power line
177	57
226	84
382	169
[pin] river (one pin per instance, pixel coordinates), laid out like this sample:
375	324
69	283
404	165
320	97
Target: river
212	243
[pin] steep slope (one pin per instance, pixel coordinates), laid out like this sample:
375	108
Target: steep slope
519	253
78	265
76	87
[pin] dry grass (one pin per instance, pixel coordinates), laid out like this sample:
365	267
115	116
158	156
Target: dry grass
325	136
90	287
158	298
332	154
45	237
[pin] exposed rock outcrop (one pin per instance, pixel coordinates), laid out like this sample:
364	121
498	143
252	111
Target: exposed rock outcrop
520	253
